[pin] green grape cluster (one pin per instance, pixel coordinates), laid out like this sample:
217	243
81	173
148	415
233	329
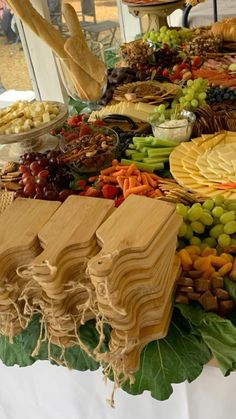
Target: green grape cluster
212	223
161	114
193	95
168	36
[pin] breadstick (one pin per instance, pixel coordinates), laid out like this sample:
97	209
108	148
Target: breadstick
72	21
39	25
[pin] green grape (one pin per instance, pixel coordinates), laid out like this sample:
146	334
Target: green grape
216	231
161	108
216	221
227	217
189	83
219	199
233	242
208	204
224	240
182	230
230	227
195	241
196	205
197	227
210	242
206	219
202	96
194	103
194	213
189	97
231	206
189	233
217	212
181	209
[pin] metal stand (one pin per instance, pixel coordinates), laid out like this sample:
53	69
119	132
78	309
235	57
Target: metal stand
187	10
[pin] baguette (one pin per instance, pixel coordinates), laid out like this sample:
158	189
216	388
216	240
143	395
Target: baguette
81	54
39	25
72	21
226	29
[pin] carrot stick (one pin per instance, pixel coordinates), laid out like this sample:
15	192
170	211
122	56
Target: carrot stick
158	192
132	182
150	180
92	179
120	167
114	162
153	176
125	186
108	171
131	169
136	190
120	180
119	173
109	179
144	179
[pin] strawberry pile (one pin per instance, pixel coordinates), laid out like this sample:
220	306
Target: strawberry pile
76	127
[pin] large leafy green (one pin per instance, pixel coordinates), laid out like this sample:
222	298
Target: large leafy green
19	351
178	357
218	333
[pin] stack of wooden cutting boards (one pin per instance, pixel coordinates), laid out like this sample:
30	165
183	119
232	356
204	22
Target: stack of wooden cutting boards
134	276
81	260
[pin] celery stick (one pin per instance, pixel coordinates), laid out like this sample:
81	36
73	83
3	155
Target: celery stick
141	139
129	153
132	146
159	152
138	156
144	166
153	160
163	143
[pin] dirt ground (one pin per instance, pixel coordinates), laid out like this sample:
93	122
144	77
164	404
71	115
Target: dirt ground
13	69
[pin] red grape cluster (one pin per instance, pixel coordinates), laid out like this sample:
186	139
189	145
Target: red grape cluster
43	177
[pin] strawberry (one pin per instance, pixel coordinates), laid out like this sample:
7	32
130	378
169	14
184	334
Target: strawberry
166	72
81	183
196	61
70	136
99	123
84	130
73	121
109	191
119	200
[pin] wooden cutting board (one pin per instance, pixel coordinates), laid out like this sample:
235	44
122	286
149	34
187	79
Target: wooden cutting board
21	222
131	228
73	225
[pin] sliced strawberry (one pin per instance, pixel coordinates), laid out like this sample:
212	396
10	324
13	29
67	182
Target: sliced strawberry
73	121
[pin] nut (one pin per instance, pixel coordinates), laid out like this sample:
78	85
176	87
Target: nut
91	153
104	145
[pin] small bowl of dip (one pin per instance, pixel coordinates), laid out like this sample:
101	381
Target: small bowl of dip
176	128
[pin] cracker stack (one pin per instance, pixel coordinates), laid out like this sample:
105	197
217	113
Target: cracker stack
134	276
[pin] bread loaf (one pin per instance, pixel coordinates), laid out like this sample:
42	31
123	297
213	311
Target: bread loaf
226	29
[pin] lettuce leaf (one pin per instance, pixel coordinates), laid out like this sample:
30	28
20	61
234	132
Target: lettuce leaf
219	335
178	357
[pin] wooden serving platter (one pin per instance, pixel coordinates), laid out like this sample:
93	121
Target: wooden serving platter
41	130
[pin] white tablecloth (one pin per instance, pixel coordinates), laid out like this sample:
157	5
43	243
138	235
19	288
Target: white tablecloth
43	391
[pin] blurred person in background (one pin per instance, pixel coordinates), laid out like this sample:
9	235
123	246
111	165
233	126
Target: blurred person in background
6	18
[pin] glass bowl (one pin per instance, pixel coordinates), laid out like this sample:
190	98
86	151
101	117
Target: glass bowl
176	130
90	153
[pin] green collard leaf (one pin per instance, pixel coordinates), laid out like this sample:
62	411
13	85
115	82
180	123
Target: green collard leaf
218	333
178	357
19	352
230	286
